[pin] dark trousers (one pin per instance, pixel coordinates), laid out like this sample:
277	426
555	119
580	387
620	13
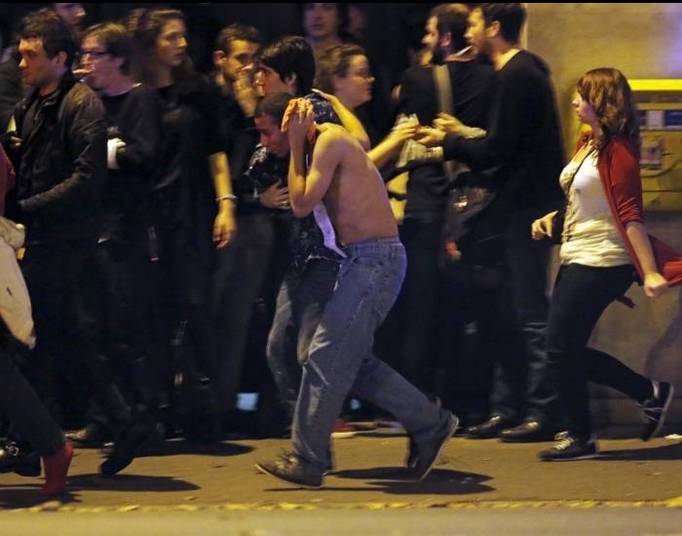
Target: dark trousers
523	386
238	282
411	337
123	265
27	415
580	296
184	331
65	292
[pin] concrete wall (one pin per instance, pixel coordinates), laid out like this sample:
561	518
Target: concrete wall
643	41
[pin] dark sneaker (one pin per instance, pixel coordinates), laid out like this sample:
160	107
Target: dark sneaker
289	468
429	452
488	429
656	407
18	459
569	448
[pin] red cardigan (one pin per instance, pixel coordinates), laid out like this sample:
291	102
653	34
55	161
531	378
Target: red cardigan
618	165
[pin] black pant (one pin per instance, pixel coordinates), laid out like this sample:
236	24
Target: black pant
412	335
523	386
28	417
580	296
125	313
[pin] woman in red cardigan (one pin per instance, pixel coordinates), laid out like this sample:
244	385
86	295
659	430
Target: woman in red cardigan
604	248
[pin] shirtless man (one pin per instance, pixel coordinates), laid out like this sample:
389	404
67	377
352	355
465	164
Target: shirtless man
340	359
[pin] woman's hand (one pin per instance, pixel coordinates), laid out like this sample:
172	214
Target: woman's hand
542	227
276	196
401	133
654	285
224	228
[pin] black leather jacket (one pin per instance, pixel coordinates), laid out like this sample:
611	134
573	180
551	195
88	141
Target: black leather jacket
62	163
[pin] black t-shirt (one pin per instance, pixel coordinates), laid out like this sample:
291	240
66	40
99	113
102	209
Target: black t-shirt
524	137
134	118
472	94
191	131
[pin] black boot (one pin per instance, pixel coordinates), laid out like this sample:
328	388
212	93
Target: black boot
141	430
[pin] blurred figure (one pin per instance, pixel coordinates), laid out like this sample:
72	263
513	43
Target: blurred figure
18	401
71	14
60	144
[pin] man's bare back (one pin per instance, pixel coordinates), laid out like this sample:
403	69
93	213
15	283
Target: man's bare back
340	174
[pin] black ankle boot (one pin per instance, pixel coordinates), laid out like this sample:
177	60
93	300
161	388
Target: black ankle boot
19	459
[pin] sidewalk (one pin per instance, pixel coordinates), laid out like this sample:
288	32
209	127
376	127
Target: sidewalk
369	474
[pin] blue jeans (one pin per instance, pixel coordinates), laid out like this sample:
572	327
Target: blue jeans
300	303
340	359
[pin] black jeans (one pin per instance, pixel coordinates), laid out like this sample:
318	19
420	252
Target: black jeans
523	386
580	296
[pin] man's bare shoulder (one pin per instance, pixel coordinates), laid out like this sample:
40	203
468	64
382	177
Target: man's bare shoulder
329	132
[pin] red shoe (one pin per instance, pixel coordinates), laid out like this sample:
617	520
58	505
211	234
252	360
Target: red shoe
56	467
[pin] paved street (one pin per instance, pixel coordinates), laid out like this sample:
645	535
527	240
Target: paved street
478	483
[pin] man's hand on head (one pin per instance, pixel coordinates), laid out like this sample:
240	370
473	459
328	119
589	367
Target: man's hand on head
298	121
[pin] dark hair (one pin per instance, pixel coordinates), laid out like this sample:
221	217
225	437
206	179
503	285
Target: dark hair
55	34
115	39
145	26
291	55
453	19
510	16
274	106
341	14
236	32
335	62
607	91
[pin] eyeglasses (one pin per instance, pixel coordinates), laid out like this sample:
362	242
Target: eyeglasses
96	54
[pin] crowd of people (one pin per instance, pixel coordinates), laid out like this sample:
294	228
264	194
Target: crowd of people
180	226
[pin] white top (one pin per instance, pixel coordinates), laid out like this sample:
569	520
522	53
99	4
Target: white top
590	236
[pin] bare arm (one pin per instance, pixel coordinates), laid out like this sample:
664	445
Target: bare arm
306	191
225	226
654	283
390	146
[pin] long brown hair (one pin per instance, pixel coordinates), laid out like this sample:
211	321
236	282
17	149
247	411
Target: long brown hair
145	26
608	92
